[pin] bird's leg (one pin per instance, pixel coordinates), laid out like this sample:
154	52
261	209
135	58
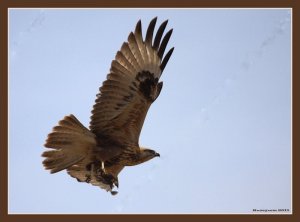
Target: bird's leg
88	177
92	171
102	166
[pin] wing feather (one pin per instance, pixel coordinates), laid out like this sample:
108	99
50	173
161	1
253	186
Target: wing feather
166	59
139	39
133	45
159	34
132	85
164	43
125	62
126	51
149	34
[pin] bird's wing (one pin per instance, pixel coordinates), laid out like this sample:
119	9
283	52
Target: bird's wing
132	85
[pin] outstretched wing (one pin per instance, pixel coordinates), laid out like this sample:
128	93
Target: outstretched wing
132	85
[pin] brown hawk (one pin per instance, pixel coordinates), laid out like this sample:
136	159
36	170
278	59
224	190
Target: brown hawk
97	155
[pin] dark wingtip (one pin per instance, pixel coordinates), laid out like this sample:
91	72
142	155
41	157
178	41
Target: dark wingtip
138	27
139	23
150	30
153	20
159	34
166	59
164	43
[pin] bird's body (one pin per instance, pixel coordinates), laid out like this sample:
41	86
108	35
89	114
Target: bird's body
98	154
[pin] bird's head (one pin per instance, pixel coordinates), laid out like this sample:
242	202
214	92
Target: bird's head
147	154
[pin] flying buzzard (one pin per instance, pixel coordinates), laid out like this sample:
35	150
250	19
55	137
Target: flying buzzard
97	155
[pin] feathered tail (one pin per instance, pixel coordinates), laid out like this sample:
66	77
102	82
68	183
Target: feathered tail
71	142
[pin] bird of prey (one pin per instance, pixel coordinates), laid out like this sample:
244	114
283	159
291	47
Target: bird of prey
98	154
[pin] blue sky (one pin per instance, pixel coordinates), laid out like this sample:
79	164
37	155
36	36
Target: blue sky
222	123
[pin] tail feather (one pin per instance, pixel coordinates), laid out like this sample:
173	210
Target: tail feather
71	142
58	160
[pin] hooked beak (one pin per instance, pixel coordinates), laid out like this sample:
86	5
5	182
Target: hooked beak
157	154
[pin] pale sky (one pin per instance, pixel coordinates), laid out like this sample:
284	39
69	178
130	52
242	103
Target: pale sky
222	123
